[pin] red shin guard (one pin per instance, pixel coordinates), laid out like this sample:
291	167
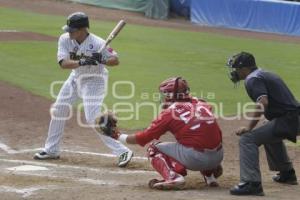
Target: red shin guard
166	166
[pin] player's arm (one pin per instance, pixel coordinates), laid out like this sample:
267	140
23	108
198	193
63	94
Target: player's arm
63	54
129	139
69	64
72	64
158	127
107	125
258	93
144	137
260	106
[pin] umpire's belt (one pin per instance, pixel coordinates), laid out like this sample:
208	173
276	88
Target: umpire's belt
218	148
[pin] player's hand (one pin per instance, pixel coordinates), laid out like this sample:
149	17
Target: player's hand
87	61
240	131
97	57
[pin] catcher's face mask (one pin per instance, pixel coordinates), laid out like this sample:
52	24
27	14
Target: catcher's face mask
166	99
173	90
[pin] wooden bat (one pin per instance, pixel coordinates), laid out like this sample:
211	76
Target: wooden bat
113	34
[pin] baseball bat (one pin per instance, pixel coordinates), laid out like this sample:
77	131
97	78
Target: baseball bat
113	34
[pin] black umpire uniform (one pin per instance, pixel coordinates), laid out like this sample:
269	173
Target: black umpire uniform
281	109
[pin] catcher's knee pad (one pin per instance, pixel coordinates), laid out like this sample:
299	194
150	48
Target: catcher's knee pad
156	156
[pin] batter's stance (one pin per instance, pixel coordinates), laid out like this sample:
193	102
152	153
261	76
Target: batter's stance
77	50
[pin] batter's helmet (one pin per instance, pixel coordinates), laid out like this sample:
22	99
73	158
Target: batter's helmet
174	89
76	21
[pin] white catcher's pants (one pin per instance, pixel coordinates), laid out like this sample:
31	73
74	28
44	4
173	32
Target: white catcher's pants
92	91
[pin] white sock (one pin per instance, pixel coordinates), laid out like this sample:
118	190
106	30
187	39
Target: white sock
210	179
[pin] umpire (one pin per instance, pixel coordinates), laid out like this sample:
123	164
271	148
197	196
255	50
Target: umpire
273	99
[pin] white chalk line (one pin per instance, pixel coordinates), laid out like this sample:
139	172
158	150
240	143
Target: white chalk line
7	149
25	192
98	170
8	31
80	180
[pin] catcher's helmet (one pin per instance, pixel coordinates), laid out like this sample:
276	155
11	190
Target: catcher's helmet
75	21
174	89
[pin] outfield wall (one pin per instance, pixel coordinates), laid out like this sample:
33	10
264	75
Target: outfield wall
156	9
258	15
274	16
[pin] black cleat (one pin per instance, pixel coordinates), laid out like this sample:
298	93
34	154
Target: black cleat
286	177
248	188
45	156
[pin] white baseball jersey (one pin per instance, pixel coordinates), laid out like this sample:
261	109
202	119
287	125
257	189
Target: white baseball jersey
86	82
70	49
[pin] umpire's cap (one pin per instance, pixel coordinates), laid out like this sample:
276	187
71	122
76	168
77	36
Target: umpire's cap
75	21
242	59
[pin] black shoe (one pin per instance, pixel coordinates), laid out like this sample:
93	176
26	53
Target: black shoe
248	188
286	177
45	156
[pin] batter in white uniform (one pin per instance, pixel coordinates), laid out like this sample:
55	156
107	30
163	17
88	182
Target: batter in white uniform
77	50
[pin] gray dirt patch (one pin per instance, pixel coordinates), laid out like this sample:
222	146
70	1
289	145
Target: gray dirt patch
11	35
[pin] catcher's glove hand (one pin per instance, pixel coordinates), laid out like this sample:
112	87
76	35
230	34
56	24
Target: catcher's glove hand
106	124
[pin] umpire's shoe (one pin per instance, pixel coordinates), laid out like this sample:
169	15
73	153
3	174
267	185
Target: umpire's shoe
248	188
125	158
45	156
286	177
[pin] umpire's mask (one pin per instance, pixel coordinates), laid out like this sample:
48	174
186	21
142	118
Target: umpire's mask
238	61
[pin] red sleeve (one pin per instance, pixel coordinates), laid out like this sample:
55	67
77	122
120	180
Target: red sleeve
157	128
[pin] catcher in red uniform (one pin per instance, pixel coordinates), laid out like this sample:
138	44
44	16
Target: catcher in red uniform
198	136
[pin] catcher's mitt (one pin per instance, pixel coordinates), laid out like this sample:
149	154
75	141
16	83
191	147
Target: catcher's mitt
106	124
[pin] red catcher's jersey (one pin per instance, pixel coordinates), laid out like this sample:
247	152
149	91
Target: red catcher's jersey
192	124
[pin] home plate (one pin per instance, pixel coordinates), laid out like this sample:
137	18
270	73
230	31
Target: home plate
27	168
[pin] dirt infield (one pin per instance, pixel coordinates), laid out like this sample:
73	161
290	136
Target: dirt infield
11	35
87	170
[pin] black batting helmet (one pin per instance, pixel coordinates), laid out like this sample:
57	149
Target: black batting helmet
76	21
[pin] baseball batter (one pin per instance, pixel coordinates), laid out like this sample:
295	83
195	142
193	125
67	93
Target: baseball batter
198	145
77	50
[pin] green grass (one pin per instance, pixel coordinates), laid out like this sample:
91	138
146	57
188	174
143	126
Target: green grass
294	144
148	55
